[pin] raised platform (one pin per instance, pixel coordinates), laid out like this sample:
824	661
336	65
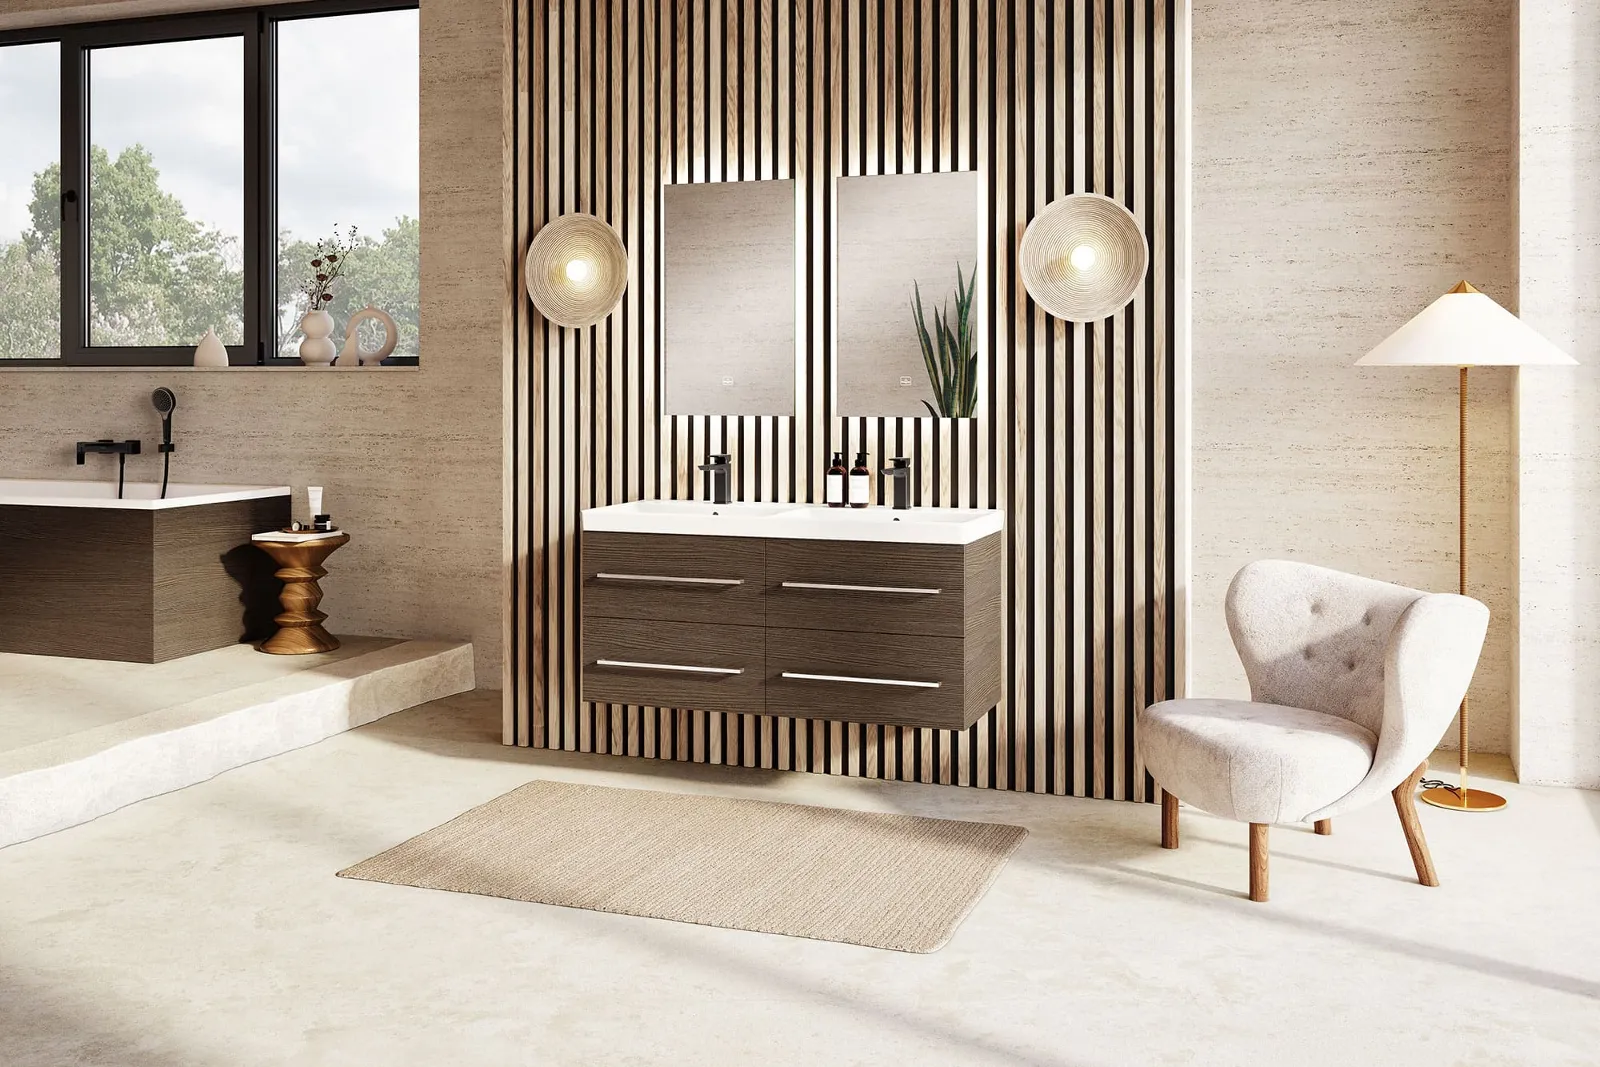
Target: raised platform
80	738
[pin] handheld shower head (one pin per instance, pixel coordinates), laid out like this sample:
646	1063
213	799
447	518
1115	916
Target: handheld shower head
165	400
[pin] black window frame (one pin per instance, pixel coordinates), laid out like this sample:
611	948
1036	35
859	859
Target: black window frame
257	28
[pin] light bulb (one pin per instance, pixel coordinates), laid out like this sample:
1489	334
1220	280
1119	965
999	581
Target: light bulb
578	270
1084	257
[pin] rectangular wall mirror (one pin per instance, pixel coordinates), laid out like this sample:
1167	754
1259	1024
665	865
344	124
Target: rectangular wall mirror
898	233
728	304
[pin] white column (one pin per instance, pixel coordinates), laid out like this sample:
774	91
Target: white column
1556	703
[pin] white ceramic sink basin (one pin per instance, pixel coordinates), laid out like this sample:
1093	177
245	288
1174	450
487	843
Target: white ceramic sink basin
700	508
683	517
816	522
934	526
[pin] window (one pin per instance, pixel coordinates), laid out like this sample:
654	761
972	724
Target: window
363	178
30	201
165	177
166	193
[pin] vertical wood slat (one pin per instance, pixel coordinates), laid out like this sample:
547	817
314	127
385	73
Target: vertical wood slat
1041	97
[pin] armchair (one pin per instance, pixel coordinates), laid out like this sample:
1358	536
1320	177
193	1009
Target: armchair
1352	683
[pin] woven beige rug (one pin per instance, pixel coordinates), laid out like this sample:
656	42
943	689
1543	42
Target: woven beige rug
865	878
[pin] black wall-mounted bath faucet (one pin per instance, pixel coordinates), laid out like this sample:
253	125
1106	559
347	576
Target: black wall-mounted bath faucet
121	449
717	468
107	446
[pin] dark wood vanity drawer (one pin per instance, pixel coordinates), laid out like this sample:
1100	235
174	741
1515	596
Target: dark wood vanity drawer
899	679
870	586
672	578
689	665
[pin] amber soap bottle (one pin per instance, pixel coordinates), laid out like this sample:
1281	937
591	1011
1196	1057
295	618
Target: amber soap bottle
860	482
834	481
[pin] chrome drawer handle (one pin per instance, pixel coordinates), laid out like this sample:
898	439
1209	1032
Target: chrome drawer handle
860	681
667	667
861	588
668	578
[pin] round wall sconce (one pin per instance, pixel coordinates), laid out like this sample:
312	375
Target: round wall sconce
1083	257
576	270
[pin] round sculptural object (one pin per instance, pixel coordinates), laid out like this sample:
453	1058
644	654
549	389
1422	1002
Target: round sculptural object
353	354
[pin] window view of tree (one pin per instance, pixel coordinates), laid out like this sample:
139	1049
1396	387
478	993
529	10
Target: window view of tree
30	131
360	170
166	192
164	210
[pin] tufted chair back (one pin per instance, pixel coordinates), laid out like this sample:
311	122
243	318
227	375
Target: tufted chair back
1394	660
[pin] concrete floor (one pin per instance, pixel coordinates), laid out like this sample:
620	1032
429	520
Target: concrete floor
206	927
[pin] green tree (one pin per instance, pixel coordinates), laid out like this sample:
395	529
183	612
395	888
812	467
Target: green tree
383	273
30	304
158	277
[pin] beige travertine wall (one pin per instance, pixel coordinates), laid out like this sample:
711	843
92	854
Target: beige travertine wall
411	461
1351	162
1558	729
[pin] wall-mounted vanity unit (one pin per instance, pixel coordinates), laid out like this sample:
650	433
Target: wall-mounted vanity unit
876	616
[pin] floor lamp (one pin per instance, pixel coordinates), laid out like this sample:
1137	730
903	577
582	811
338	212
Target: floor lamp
1462	329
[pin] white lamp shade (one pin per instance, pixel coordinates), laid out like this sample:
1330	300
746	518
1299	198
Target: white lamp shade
1464	328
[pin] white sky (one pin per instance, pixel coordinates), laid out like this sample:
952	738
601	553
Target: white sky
347	106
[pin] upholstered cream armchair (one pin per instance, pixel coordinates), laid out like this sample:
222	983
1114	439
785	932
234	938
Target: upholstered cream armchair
1353	682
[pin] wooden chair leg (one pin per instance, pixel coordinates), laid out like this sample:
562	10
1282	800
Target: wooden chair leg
1258	861
1169	820
1323	827
1405	803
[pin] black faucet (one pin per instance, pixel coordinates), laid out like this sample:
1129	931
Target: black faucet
107	446
900	473
717	467
121	449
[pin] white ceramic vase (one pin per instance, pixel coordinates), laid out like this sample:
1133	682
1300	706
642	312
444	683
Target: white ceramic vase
211	352
317	350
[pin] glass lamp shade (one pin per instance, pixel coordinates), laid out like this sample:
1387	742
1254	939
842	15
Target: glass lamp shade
576	270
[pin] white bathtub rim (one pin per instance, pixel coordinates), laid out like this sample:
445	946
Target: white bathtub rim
138	496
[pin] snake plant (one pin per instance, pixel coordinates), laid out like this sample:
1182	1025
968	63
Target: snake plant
952	364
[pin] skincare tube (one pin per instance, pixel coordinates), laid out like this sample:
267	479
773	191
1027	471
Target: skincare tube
314	498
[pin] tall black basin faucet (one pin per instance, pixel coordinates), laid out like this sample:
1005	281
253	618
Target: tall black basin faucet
717	467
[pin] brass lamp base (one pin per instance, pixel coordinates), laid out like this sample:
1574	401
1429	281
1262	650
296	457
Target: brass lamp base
1463	800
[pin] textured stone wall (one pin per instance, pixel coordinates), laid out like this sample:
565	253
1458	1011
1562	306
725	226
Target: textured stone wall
1351	162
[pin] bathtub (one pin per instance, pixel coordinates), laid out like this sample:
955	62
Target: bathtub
138	579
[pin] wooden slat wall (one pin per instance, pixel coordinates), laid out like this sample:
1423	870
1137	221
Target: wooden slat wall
1075	429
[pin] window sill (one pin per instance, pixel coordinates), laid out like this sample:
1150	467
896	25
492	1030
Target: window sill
289	368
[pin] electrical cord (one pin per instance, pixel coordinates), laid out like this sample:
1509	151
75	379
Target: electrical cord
1435	783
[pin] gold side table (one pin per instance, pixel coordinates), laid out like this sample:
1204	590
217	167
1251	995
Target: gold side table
299	563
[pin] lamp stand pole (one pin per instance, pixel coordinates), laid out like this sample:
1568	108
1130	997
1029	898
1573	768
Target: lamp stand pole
1462	798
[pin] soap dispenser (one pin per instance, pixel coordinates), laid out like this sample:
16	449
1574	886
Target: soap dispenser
860	482
835	481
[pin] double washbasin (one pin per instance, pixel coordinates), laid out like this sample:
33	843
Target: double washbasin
814	522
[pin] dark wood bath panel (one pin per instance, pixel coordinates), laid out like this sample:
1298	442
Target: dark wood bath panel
133	585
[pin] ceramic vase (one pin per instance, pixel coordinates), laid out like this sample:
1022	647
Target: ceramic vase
317	350
210	352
